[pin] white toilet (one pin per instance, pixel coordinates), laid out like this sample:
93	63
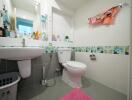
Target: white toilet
73	70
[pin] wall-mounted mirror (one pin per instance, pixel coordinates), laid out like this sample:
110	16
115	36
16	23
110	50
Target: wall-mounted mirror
27	14
23	17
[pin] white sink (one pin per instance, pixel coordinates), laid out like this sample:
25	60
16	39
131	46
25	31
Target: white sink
20	53
23	55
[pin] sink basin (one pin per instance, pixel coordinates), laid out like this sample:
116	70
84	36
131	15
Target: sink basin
23	55
20	53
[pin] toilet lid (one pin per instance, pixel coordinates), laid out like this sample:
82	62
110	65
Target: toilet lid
75	64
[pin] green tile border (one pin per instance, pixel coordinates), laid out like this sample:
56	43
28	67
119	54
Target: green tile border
122	50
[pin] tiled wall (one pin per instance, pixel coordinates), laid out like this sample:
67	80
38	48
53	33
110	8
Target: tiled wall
33	83
130	83
130	89
8	66
31	86
122	50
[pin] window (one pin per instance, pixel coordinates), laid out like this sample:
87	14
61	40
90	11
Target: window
24	26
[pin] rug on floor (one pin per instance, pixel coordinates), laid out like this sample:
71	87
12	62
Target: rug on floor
76	94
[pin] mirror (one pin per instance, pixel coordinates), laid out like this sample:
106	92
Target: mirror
28	19
26	13
20	18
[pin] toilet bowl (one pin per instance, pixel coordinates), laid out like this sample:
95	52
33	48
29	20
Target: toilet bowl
73	70
74	67
72	73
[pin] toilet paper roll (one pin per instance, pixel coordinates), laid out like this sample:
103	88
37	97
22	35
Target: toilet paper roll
24	68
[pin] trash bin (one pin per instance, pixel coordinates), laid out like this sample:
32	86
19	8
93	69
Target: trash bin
8	86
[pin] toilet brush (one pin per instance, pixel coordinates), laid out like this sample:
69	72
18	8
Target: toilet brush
44	82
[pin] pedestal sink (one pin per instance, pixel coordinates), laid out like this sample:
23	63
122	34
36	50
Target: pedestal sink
20	53
23	55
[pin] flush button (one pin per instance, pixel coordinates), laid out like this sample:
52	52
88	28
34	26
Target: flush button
61	52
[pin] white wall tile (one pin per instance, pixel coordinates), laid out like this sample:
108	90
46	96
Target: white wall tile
110	70
5	41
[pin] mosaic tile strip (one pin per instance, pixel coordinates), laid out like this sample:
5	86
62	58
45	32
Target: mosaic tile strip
50	49
123	50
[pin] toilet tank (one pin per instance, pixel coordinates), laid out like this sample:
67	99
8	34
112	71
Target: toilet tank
64	54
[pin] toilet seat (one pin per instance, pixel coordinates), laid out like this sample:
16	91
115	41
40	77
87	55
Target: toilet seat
76	65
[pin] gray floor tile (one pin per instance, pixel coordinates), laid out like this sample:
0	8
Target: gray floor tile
92	88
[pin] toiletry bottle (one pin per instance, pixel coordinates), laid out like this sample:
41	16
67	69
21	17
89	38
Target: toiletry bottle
1	21
12	34
66	39
37	35
33	35
1	32
7	33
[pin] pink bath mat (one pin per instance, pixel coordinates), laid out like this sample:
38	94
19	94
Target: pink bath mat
76	94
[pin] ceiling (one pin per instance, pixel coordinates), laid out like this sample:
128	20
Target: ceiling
27	5
73	4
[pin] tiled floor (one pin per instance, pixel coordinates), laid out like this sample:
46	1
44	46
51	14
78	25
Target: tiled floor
92	88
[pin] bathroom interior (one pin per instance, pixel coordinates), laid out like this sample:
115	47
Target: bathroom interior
65	50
